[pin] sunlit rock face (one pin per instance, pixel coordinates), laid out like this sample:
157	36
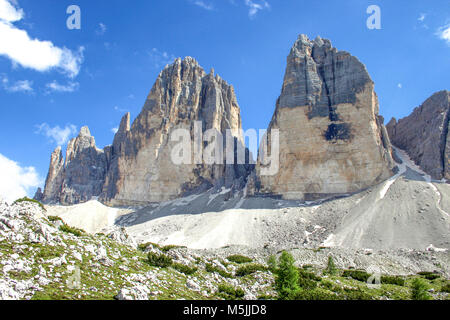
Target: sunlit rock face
424	135
331	138
142	169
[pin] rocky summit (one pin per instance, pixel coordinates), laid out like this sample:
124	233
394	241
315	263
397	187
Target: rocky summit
332	140
137	168
424	135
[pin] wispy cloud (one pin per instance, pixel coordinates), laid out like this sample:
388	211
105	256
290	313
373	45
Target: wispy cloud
57	87
399	85
160	58
121	110
17	45
17	181
101	29
204	5
444	33
422	17
255	6
56	134
114	130
17	86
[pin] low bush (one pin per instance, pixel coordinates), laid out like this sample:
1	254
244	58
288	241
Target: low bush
159	260
420	290
237	258
54	218
75	231
429	275
169	247
230	292
249	269
184	268
26	199
395	280
211	268
307	279
314	294
446	287
359	275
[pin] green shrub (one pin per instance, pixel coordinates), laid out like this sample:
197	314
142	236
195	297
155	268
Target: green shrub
249	269
286	280
355	294
307	279
169	247
359	275
446	287
237	258
272	263
420	290
314	294
211	268
429	275
331	267
396	280
159	260
26	199
75	231
184	268
54	219
230	292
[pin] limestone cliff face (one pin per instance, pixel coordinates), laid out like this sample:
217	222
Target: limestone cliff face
142	170
424	135
332	140
80	176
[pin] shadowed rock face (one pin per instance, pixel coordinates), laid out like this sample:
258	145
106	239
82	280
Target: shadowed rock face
332	140
80	177
424	135
137	168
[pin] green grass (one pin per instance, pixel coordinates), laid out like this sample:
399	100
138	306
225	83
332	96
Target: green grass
429	275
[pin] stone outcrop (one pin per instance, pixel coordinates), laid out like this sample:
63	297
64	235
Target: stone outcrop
332	140
424	135
138	167
141	166
80	176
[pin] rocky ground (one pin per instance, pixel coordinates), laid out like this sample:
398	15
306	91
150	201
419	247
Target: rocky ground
41	257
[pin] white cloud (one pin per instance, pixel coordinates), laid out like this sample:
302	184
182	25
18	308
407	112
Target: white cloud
57	87
35	54
101	29
204	5
400	85
57	134
9	12
18	86
444	33
422	17
16	181
121	110
160	58
255	6
114	130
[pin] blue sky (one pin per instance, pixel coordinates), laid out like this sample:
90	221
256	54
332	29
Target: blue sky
92	76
